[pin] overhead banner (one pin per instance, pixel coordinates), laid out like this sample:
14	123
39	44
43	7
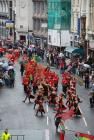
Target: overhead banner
54	38
58	38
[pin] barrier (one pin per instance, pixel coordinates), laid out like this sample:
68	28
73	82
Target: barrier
17	137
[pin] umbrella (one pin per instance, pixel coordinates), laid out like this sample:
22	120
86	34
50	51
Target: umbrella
86	66
1	63
1	49
10	67
5	65
61	55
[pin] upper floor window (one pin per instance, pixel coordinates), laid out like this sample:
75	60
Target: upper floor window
1	9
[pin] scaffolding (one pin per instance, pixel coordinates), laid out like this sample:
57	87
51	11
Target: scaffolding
59	14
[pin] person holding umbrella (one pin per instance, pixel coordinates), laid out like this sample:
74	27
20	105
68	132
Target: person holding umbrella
22	68
87	81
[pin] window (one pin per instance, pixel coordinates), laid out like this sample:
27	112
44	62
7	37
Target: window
45	7
42	7
56	6
10	4
50	5
4	7
78	2
34	6
21	26
73	2
0	7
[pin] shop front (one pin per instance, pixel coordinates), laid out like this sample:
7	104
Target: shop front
91	50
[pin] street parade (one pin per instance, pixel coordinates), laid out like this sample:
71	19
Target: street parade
40	85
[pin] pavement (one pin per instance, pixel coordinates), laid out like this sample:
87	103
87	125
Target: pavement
20	117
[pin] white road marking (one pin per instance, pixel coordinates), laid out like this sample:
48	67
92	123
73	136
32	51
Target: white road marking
83	118
47	135
85	121
47	120
47	108
80	110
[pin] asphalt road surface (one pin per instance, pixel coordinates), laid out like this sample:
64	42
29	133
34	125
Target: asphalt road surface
20	117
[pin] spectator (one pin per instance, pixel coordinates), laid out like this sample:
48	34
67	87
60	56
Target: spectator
87	81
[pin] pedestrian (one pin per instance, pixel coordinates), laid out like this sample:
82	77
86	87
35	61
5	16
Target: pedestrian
6	135
40	108
57	120
61	129
22	68
87	81
25	83
6	78
28	95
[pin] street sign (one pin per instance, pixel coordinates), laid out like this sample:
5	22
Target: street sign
9	24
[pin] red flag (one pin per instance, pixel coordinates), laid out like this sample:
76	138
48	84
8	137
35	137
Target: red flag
67	115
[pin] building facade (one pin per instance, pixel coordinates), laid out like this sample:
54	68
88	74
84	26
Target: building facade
82	24
40	19
59	19
23	20
4	15
6	19
90	30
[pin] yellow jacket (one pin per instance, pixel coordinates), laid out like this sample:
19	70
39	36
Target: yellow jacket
6	136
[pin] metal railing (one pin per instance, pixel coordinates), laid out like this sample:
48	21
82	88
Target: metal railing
17	137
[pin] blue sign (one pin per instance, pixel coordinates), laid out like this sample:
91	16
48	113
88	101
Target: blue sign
29	37
9	21
78	27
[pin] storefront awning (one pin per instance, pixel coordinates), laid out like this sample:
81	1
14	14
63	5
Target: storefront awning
74	50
